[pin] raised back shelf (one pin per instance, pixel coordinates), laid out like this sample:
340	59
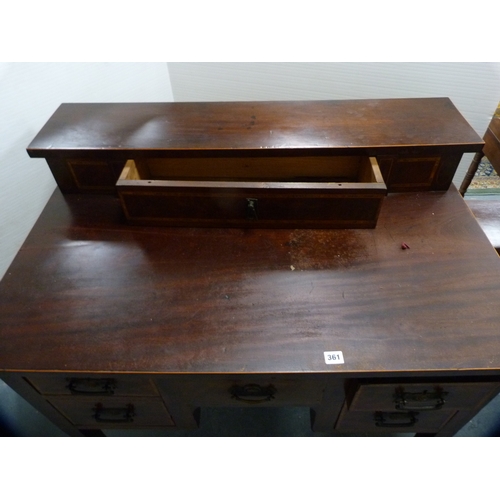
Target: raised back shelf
418	143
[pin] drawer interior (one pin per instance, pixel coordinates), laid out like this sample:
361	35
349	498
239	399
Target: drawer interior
339	169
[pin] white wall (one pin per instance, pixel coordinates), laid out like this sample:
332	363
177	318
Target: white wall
473	87
29	94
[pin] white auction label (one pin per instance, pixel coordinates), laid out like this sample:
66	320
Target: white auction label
334	357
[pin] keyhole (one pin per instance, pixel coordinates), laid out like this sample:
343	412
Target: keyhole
252	209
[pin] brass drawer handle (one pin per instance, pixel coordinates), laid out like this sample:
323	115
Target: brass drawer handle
252	393
114	415
419	401
395	419
95	386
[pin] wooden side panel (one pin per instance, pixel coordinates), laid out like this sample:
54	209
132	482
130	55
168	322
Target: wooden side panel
94	175
74	175
409	173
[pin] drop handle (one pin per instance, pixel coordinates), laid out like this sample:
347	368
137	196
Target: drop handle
251	210
419	401
92	386
395	419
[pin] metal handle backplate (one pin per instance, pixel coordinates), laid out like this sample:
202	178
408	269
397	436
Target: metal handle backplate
419	401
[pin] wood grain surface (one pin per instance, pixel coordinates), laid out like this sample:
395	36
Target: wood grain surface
264	128
89	293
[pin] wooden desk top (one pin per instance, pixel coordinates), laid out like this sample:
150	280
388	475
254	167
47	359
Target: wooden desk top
89	293
376	125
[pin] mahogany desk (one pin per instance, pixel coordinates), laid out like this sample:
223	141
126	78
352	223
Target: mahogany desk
104	325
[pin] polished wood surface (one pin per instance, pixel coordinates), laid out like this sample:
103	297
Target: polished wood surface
264	127
486	210
101	321
87	293
418	143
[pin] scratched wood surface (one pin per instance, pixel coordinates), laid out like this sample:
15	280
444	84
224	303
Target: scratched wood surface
87	292
259	127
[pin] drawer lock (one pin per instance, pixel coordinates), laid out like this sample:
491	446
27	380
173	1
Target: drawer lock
252	209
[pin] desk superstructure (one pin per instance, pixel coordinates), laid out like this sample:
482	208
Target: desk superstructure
108	325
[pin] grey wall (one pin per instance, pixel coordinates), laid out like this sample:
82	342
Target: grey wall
29	94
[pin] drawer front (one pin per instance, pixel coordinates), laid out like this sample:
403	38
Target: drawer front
106	412
232	204
427	396
392	422
228	391
286	192
120	385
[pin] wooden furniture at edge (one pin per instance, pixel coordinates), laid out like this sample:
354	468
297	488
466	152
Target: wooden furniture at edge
491	150
487	209
110	325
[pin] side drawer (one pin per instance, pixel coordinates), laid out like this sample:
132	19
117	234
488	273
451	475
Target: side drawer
96	385
107	412
392	422
407	406
426	396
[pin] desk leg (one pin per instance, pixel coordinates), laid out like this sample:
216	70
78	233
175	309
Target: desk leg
324	417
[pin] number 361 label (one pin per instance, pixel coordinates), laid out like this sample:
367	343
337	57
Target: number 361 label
334	357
